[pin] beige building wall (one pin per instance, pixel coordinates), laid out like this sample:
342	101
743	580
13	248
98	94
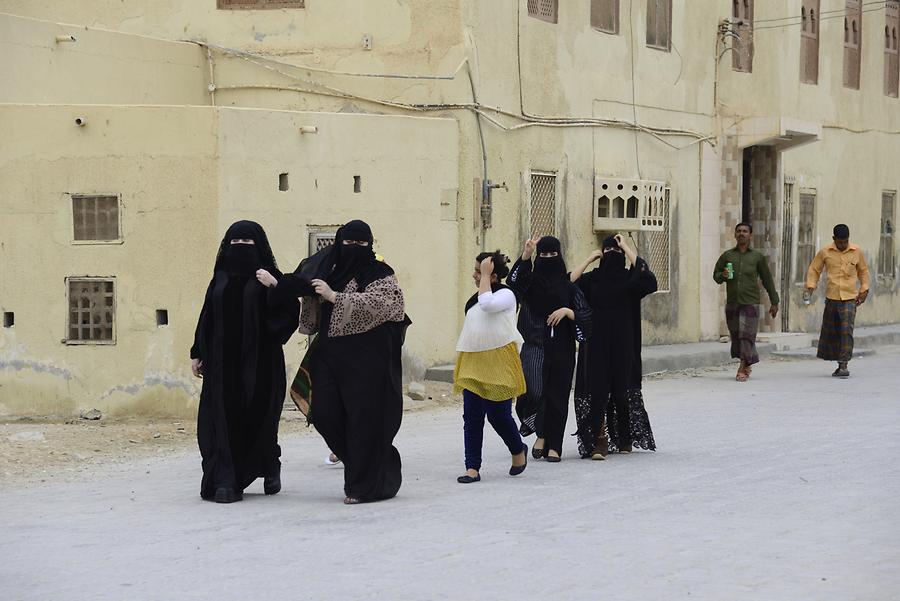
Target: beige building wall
392	88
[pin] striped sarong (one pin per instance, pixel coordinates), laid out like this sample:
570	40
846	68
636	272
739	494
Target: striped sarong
836	338
743	322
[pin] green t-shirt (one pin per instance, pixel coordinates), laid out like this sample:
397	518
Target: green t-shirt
749	267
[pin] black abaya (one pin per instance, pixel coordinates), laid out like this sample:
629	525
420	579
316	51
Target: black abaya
609	364
548	357
238	338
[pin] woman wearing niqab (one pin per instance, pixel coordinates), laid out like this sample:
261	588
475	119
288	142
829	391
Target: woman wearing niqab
553	315
238	352
609	406
352	301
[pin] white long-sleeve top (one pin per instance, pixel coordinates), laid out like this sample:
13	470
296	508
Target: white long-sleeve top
490	323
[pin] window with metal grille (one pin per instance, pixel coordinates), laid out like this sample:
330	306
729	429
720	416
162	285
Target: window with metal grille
891	53
742	18
659	24
259	4
543	203
806	235
545	10
852	43
95	218
605	15
92	310
320	239
655	248
809	42
888	225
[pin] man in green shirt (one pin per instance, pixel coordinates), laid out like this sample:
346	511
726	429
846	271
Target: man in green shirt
748	266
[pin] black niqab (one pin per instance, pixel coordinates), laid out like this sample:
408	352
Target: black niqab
549	289
245	259
351	260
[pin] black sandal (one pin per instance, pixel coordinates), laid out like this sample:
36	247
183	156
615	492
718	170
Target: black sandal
537	453
467	479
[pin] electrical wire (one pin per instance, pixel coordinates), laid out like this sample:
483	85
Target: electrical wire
821	13
829	18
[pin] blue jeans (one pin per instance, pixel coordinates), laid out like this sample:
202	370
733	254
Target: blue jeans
499	414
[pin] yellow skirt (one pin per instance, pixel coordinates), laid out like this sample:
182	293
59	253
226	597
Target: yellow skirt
495	375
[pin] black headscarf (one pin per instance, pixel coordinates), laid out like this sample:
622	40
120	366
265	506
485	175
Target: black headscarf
245	259
346	262
612	267
550	287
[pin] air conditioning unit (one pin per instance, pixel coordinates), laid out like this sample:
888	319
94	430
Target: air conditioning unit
629	205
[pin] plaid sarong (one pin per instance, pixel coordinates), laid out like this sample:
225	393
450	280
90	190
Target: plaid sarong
743	322
836	338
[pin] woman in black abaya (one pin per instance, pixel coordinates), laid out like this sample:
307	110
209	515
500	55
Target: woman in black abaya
553	315
608	382
356	307
237	351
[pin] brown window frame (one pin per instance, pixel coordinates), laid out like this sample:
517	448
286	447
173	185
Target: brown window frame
78	213
258	4
536	9
653	22
891	51
852	63
742	19
79	310
597	10
809	41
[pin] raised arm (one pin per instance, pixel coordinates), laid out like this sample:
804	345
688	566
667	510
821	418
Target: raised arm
596	255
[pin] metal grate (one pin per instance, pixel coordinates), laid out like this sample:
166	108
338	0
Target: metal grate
888	225
605	15
655	245
545	10
806	236
260	4
319	240
543	204
92	310
95	217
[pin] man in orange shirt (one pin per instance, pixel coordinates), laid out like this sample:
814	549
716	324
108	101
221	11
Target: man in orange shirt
845	264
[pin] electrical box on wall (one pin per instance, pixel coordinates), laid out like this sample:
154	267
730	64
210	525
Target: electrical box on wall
629	205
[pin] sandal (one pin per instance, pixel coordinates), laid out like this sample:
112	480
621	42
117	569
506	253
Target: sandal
352	501
467	479
537	453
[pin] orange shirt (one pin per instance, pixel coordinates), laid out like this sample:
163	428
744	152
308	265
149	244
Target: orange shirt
843	270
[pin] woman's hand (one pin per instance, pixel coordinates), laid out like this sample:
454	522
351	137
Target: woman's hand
266	279
487	266
630	254
530	246
594	256
324	290
197	368
559	315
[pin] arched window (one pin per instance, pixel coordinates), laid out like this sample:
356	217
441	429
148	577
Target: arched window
846	31
855	34
887	37
812	20
803	18
894	37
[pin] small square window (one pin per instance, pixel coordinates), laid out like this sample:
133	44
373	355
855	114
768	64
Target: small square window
357	184
92	310
545	10
9	319
162	317
95	218
283	182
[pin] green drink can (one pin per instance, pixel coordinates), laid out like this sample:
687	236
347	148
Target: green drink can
730	268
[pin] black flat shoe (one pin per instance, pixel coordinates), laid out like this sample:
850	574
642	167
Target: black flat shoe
228	495
552	459
272	485
537	453
515	470
467	479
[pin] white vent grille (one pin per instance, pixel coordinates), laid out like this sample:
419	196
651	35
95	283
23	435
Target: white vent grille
629	205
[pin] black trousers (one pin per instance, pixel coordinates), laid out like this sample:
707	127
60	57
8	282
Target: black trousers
559	367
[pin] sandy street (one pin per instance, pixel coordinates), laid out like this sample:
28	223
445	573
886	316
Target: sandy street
784	488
